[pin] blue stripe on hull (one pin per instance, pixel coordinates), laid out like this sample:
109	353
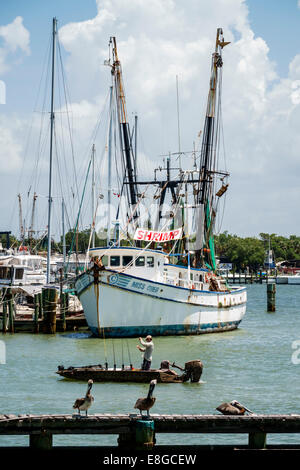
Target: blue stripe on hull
136	331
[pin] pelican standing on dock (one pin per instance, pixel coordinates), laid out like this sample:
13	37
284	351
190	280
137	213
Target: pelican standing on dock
233	408
83	404
146	403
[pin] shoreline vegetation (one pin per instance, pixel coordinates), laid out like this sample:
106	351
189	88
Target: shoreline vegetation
242	252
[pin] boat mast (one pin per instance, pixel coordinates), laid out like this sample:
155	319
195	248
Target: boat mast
124	127
31	229
208	160
109	165
54	24
93	195
22	234
63	234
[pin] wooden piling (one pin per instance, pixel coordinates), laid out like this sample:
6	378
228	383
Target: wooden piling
4	312
257	440
140	437
50	296
10	301
40	298
36	312
271	295
41	441
63	307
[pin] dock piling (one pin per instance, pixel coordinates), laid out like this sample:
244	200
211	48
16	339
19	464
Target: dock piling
271	295
140	437
257	440
50	296
4	313
41	441
10	301
36	312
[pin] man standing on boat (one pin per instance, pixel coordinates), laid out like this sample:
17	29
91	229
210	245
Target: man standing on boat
147	350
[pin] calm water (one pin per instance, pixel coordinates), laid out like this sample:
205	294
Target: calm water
252	365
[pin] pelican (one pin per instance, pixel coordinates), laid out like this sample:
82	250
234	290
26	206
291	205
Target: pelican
148	402
83	404
233	408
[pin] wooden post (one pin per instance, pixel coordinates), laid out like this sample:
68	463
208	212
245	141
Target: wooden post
10	299
271	295
144	433
141	436
50	296
36	312
257	440
63	306
40	297
4	313
42	441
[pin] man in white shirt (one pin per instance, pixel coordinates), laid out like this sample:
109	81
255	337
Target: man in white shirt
147	350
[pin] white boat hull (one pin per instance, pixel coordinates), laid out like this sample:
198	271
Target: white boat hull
121	305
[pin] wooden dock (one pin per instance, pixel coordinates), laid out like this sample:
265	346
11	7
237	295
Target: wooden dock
42	428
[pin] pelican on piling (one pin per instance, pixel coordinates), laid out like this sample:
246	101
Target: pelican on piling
146	403
83	404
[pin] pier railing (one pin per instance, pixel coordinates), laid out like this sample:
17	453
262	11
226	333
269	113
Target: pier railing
133	432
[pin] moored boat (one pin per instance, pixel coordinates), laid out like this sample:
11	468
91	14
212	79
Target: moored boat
136	290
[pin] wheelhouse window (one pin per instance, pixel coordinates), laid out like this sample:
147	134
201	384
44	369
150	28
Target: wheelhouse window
127	260
115	260
5	273
140	261
150	261
104	260
19	273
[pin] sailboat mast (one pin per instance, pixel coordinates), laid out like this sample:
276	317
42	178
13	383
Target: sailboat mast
54	24
93	195
63	233
109	165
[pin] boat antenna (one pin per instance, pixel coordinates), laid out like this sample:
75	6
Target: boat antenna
54	25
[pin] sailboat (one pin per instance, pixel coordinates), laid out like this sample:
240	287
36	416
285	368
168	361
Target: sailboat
139	290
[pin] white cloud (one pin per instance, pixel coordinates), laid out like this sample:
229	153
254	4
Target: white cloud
158	40
16	37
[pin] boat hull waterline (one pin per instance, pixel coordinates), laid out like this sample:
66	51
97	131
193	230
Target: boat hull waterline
121	305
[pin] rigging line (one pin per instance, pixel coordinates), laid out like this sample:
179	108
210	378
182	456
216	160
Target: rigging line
145	248
82	197
68	118
95	131
47	54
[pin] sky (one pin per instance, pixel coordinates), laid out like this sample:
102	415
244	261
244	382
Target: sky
157	41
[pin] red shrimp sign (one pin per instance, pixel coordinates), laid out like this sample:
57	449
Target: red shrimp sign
152	236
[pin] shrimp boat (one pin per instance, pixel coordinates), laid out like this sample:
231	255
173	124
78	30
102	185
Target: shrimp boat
165	281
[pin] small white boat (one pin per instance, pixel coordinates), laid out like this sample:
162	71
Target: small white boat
22	270
288	279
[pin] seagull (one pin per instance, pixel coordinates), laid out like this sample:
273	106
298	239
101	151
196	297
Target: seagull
233	408
83	404
148	402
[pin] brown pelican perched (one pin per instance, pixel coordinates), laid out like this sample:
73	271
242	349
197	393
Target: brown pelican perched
148	402
83	404
233	408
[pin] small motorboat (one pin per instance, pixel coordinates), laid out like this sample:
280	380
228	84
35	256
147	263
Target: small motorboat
191	371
